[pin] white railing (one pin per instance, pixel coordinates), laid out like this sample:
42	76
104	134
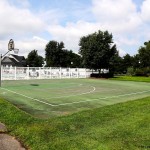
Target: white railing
21	73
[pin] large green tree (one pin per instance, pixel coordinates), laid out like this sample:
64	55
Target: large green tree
34	60
57	56
98	50
144	55
127	62
71	59
53	53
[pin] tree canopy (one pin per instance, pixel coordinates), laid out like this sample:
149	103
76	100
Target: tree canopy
57	56
34	60
98	50
53	53
144	55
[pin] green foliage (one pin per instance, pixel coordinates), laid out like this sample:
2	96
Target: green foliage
98	50
71	59
34	60
127	62
142	71
130	71
144	55
138	71
53	53
56	56
132	78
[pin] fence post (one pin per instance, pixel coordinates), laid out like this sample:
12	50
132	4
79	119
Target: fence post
69	72
60	72
50	72
28	73
15	73
77	72
1	73
85	72
39	72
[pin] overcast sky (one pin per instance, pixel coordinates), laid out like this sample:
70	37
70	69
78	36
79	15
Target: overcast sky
33	23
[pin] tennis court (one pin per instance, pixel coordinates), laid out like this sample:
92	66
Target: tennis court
55	97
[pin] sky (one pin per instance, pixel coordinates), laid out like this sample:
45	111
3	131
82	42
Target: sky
33	23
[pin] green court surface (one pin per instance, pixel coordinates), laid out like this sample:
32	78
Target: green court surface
56	97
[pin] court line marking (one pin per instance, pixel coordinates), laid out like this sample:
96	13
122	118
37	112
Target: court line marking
28	97
103	98
55	105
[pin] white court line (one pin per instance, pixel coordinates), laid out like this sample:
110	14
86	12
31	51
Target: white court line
54	105
103	98
28	97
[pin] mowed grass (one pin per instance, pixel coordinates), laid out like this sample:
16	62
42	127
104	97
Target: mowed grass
132	78
123	126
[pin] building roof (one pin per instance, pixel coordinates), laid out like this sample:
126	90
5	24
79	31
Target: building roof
14	60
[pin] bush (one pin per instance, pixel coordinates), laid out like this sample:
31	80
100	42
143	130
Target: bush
139	71
130	71
102	75
142	71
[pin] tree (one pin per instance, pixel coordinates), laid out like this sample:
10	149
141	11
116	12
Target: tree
54	55
118	65
98	50
127	62
34	60
144	55
57	56
71	59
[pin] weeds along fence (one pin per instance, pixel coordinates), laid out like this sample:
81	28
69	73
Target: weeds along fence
22	73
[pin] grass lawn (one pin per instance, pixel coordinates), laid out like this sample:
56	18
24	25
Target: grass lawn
132	78
121	126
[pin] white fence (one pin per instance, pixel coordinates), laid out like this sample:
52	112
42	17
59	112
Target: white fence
21	73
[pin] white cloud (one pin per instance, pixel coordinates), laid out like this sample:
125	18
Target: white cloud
72	32
27	45
118	16
17	21
113	10
145	11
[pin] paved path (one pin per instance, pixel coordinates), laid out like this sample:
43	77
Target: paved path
8	142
